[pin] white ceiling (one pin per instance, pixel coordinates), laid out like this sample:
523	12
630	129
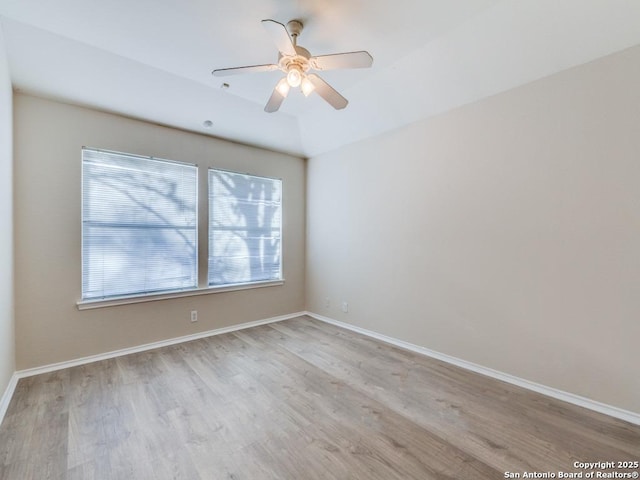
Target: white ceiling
152	59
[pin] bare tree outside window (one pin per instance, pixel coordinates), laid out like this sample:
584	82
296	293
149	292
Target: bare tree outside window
245	227
139	225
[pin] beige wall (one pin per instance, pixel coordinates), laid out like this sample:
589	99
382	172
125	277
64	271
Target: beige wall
505	233
7	351
49	327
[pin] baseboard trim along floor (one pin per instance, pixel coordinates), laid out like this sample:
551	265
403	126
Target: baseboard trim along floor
150	346
578	400
8	393
300	398
6	398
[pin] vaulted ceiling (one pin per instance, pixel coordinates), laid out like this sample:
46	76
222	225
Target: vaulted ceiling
152	60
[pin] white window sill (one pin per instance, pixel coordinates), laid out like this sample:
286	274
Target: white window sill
111	302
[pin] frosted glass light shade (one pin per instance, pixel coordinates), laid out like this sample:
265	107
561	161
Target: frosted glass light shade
307	87
283	87
294	77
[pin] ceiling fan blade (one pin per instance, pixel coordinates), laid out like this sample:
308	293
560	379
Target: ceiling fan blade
225	72
280	36
361	59
327	92
280	92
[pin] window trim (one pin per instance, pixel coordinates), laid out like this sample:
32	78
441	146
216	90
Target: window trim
131	299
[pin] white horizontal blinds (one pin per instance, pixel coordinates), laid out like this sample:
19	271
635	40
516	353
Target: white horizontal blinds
245	218
139	228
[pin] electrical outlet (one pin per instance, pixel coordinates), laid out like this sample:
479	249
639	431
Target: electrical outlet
345	307
194	315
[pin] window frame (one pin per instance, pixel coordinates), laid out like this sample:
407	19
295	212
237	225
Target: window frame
83	221
201	241
281	236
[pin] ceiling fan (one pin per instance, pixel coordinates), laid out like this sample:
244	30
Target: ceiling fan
296	62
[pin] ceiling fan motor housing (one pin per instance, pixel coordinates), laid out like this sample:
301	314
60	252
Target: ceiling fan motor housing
299	61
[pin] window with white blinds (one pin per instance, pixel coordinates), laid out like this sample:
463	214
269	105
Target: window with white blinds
139	225
245	228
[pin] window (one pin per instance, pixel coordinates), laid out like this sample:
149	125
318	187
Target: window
140	236
245	228
139	225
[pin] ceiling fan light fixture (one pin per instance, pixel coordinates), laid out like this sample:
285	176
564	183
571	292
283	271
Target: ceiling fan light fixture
294	76
283	87
296	62
307	87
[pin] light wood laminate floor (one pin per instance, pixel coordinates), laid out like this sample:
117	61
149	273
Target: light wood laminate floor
298	399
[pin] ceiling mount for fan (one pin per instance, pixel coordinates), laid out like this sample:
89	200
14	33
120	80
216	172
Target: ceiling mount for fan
295	28
296	62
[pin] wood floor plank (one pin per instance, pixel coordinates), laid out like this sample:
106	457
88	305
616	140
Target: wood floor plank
290	400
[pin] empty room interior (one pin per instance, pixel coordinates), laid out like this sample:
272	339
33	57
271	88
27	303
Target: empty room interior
319	239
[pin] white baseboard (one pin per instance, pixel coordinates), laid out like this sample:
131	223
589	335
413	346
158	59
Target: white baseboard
616	412
149	346
6	396
610	410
